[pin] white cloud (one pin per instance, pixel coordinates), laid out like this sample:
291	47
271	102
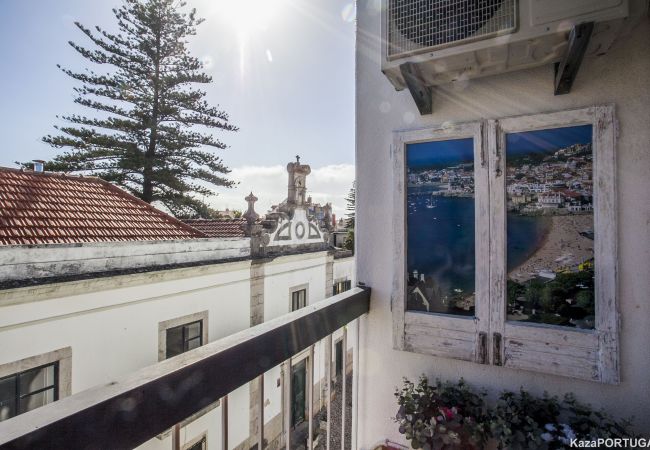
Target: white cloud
269	184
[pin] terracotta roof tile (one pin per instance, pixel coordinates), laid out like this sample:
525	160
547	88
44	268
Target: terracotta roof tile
49	208
216	228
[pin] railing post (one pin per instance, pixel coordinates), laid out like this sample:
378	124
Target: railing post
224	423
328	388
355	384
344	359
260	405
287	404
176	437
310	396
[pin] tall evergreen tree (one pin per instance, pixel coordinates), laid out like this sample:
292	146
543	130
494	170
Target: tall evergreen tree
153	122
351	201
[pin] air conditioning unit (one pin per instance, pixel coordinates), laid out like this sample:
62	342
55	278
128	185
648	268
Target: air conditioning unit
440	41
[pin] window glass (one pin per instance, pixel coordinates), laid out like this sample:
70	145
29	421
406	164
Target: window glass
194	330
174	341
440	227
550	227
28	390
33	401
7	397
298	299
36	379
183	338
200	445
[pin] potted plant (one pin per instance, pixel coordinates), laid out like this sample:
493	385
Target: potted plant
444	416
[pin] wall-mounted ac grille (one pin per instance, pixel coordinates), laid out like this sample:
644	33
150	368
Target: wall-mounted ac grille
416	26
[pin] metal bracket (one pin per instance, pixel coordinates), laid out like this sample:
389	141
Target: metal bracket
496	349
567	69
482	347
422	95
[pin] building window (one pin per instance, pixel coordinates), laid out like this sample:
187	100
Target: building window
485	213
182	334
342	286
298	297
28	390
34	382
200	443
184	338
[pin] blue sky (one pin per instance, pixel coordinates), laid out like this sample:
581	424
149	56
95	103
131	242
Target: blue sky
440	154
287	81
544	141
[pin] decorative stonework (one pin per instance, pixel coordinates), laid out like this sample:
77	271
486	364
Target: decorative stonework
289	224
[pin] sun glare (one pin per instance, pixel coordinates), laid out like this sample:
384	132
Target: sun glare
247	16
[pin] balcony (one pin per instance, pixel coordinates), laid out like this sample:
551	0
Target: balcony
154	401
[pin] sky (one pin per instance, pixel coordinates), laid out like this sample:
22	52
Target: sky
283	70
439	154
543	141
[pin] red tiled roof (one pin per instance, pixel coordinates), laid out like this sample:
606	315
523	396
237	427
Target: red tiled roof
216	228
50	208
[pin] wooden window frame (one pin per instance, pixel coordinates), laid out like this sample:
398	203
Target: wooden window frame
584	354
444	335
488	338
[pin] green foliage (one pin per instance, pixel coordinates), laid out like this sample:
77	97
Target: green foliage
518	420
444	416
349	240
522	421
351	201
144	136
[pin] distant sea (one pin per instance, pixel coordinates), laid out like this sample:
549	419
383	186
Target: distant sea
441	239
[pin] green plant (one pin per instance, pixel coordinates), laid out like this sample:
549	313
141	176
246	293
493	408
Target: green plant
444	416
521	421
518	421
450	416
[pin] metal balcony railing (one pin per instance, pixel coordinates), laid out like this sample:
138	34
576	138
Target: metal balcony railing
131	411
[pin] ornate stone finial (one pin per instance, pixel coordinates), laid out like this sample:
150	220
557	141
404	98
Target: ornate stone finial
297	159
250	215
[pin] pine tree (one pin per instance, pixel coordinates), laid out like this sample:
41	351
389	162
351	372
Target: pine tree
145	137
351	200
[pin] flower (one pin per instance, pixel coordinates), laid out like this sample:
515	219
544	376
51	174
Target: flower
550	427
547	437
448	413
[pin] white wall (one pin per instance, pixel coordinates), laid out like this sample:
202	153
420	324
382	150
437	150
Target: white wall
111	323
286	272
620	77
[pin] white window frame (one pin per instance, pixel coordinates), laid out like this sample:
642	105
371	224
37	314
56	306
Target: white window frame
490	339
444	335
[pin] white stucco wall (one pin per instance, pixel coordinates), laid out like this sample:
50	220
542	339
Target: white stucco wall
111	324
620	77
344	269
286	272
